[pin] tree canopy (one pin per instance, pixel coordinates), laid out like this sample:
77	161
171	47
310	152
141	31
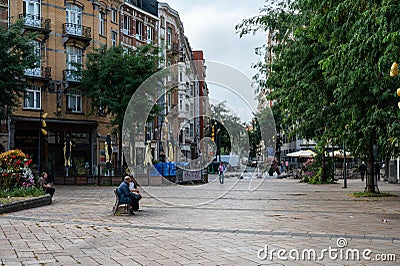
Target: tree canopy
111	76
329	75
16	55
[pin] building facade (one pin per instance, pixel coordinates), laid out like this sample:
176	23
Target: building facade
69	30
184	128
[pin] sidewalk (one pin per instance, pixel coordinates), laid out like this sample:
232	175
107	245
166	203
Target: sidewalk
212	224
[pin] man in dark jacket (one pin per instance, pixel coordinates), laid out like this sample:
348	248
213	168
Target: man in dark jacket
126	196
362	170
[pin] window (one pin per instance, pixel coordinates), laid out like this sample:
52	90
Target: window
32	98
127	25
74	20
74	60
149	34
36	70
114	38
113	15
74	101
139	30
32	13
169	37
162	22
102	18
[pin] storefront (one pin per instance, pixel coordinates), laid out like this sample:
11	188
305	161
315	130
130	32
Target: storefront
82	134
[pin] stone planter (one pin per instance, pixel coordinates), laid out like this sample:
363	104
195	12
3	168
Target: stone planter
25	204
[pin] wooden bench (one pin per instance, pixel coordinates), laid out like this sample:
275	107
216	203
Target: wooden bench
118	204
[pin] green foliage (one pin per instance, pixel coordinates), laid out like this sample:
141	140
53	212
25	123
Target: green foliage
254	133
312	171
112	76
16	55
231	141
22	192
369	194
329	75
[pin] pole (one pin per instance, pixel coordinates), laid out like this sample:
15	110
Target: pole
40	124
344	167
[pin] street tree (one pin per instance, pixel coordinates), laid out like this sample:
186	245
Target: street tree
16	55
228	129
330	72
111	76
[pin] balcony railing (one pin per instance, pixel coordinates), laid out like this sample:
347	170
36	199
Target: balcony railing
77	30
35	21
173	48
39	72
72	75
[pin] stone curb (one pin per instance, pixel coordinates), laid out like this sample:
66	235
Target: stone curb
25	204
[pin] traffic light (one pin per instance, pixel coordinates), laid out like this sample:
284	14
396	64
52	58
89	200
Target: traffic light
394	70
213	133
43	122
398	94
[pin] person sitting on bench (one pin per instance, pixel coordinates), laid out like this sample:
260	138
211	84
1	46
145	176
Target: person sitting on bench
126	196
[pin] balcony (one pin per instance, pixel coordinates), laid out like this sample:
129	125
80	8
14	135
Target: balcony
37	23
71	75
173	48
41	73
77	32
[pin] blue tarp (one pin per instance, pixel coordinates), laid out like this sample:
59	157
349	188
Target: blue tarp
166	169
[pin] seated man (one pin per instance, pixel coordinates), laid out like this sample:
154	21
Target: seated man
126	196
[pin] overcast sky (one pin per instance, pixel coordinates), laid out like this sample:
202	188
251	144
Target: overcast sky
210	26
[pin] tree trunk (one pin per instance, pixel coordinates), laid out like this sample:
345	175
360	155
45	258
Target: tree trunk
119	164
323	177
370	186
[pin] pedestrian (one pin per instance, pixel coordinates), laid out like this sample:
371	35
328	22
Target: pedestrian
125	196
377	170
282	166
287	166
44	183
362	168
221	170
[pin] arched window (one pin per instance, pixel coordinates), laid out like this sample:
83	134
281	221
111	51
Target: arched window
74	19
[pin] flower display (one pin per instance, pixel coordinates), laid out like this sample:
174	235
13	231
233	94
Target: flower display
14	170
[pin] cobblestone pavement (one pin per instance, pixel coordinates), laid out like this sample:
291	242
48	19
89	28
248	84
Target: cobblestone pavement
213	224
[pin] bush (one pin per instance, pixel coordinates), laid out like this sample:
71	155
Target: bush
15	171
22	192
312	171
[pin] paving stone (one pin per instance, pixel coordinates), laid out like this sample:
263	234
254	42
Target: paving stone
229	230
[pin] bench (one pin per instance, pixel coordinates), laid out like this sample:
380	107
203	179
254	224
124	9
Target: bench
118	204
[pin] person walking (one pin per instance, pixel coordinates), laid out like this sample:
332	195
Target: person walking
221	170
362	168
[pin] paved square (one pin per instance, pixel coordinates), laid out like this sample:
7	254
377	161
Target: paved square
237	223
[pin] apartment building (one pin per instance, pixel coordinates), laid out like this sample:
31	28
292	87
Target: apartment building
182	99
69	30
